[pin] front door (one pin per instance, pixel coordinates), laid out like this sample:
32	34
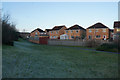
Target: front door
104	37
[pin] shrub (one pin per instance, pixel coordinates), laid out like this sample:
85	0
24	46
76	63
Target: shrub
108	47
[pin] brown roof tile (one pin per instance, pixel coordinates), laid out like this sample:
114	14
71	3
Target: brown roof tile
117	24
74	27
58	27
98	25
48	30
40	30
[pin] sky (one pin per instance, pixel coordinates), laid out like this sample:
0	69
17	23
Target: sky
46	15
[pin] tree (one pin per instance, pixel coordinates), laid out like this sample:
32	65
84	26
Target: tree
9	31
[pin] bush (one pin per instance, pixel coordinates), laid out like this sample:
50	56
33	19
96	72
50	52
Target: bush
108	47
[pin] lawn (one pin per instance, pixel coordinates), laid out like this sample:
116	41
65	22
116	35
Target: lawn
29	60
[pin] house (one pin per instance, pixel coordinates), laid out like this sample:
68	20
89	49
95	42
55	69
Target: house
98	31
64	36
111	34
116	27
75	32
57	31
47	31
25	35
38	36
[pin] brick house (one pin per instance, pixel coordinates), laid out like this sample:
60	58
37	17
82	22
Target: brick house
98	31
116	27
47	31
56	32
25	35
37	34
75	32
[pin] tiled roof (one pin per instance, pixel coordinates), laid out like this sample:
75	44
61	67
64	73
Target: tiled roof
40	30
48	30
74	27
117	24
58	27
111	30
98	25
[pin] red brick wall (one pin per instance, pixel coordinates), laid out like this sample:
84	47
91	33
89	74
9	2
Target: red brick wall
100	32
74	33
54	33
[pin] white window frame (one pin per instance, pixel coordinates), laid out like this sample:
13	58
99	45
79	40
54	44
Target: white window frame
104	30
96	30
90	30
66	31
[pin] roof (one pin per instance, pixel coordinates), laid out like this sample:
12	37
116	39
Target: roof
64	35
111	30
24	33
117	24
98	25
48	30
40	30
58	27
74	27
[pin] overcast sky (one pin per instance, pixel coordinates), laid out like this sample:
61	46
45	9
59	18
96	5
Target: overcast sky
46	15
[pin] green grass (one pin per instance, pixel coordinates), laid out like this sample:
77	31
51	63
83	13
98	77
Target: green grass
78	46
28	60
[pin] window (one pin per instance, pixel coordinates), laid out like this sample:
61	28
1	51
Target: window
96	30
36	33
76	31
50	36
51	32
56	32
90	37
72	37
104	30
66	31
97	36
71	31
90	30
118	29
41	33
54	37
77	37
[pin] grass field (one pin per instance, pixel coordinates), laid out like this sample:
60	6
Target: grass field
28	60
